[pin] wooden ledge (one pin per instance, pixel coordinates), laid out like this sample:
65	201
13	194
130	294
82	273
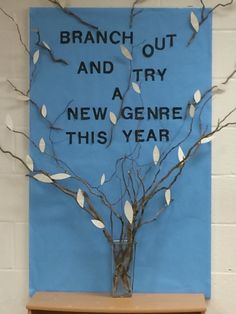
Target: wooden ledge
69	302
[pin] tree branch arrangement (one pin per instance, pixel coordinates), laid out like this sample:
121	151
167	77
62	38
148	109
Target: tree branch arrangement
140	183
197	22
69	12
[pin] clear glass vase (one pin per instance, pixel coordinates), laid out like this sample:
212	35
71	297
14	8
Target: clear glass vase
123	258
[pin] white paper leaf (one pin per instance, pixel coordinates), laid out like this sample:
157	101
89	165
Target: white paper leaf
80	198
194	22
42	145
156	154
103	179
22	97
46	45
168	197
9	122
126	53
44	111
197	96
98	223
192	111
180	154
36	57
206	139
113	118
42	178
136	87
60	176
129	213
29	162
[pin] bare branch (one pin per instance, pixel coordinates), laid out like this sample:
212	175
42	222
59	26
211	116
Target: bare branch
18	30
223	5
145	222
157	187
133	13
163	158
229	77
89	209
205	17
4	151
16	89
40	44
31	101
74	15
203	9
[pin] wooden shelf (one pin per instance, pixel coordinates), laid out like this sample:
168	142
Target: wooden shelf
69	302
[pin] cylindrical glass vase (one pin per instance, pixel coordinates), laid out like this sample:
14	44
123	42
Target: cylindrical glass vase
123	258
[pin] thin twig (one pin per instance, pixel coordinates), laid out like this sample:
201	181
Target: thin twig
203	9
18	30
7	152
133	13
74	15
40	44
205	17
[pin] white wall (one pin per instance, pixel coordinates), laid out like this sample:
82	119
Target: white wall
13	183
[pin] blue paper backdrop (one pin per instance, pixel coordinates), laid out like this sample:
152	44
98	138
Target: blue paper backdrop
66	251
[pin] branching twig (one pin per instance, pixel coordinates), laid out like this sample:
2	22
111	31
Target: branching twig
204	16
180	165
41	44
18	30
13	86
74	15
7	152
89	209
133	13
203	9
31	101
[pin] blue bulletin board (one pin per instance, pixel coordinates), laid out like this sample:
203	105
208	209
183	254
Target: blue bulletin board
83	76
